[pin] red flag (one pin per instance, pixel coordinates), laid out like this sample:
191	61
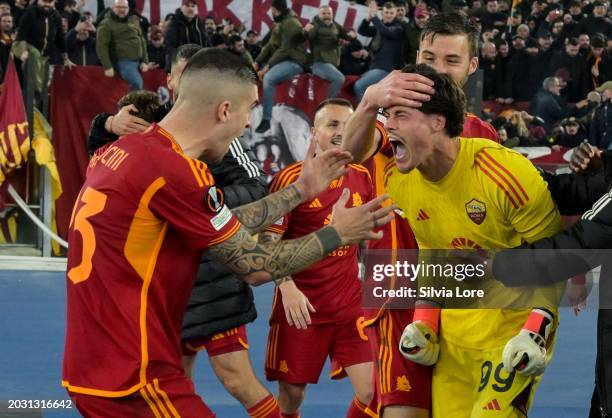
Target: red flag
14	134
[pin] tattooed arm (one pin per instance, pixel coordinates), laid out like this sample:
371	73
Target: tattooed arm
260	263
258	215
316	174
267	238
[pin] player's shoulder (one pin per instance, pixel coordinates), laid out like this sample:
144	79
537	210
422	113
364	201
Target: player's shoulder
286	176
474	127
360	170
506	173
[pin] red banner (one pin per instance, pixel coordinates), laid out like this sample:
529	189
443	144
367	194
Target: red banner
14	135
77	96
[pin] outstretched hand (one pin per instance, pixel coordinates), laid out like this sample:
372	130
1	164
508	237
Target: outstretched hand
319	170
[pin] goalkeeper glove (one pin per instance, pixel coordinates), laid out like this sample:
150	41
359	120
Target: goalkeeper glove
419	342
526	353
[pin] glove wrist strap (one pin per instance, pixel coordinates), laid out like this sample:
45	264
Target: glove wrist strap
539	322
429	315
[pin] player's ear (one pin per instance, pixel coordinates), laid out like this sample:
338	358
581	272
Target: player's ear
223	111
473	65
438	122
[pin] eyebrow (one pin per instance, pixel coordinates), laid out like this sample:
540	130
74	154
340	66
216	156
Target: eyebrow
254	104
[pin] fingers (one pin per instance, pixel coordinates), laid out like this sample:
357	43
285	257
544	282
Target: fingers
382	212
312	148
375	203
130	108
288	316
344	197
304	314
310	307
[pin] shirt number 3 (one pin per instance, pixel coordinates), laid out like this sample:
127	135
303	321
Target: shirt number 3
93	203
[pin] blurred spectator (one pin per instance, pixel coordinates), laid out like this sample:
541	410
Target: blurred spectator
600	131
19	10
156	48
355	59
210	26
120	44
235	44
71	13
518	44
570	134
597	22
185	28
217	40
39	36
163	25
524	64
585	44
5	8
492	83
81	43
412	34
401	10
7	34
575	64
504	96
325	36
548	106
491	15
599	61
283	57
252	43
385	48
523	31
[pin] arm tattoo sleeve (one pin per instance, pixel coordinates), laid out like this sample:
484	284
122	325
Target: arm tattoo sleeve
258	215
242	254
269	238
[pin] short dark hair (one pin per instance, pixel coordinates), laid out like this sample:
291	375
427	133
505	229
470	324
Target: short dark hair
225	62
449	24
389	5
448	100
185	52
335	101
233	39
148	103
573	42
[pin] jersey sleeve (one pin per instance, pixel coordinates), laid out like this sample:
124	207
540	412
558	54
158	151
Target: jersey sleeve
186	197
281	180
521	193
474	127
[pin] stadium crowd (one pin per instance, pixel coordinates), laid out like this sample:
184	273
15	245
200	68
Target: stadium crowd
545	63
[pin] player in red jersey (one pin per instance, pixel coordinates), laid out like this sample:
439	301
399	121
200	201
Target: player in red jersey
317	312
449	44
145	213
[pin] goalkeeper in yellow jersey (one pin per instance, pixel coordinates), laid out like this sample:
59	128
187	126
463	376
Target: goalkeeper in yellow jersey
475	194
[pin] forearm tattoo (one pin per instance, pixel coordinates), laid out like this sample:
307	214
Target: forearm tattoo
269	238
242	254
261	213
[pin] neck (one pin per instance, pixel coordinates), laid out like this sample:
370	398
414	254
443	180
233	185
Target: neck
441	160
189	136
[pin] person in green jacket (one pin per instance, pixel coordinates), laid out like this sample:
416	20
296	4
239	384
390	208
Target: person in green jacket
283	57
120	44
325	36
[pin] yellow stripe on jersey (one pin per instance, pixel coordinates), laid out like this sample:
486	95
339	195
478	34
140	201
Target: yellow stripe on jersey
166	399
143	393
285	177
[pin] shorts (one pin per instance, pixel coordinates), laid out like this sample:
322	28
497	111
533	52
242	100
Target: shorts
399	382
298	355
167	397
478	384
224	342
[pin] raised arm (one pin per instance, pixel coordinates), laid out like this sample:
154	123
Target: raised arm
360	136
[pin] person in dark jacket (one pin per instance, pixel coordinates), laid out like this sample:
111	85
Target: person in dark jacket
81	44
561	256
597	22
185	28
252	43
156	49
548	106
355	59
600	131
571	134
221	303
325	35
519	80
40	35
282	58
412	33
576	67
385	48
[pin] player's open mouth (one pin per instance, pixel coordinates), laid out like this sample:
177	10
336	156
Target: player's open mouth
337	141
399	149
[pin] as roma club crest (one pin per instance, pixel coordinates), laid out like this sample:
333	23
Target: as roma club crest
476	210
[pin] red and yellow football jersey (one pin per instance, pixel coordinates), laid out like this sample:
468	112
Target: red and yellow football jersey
397	234
138	228
331	285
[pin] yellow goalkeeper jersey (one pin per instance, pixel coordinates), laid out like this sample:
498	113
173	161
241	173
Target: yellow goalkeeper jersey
491	198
